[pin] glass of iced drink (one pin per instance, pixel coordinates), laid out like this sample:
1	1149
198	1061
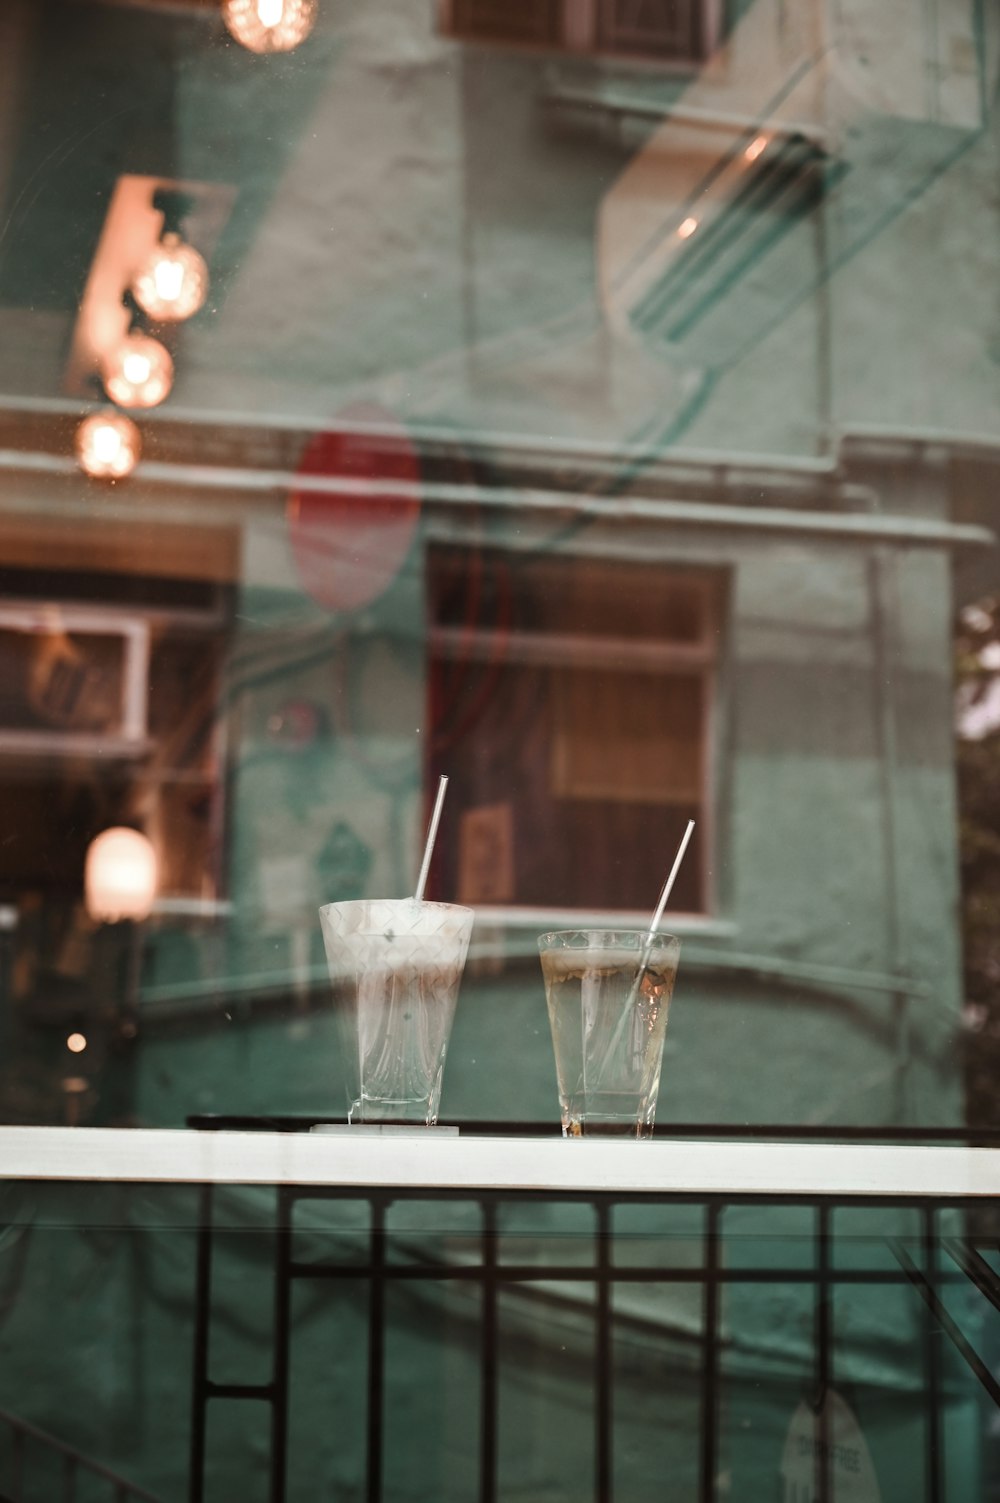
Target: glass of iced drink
608	993
395	968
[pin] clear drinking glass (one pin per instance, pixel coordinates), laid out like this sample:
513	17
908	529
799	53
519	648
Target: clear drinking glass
395	968
608	1014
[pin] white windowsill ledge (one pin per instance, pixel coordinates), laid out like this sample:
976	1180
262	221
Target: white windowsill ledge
427	1162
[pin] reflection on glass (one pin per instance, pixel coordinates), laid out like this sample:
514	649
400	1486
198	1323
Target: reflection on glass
596	403
270	25
108	445
120	875
138	372
173	282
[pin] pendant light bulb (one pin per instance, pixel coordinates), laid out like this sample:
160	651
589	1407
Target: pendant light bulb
269	25
120	875
172	282
138	372
108	445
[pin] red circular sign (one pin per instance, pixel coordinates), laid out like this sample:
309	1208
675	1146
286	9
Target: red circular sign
350	542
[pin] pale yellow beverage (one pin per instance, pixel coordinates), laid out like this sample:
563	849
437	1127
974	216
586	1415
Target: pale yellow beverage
608	994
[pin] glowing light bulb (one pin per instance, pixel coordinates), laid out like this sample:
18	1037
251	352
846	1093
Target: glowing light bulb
136	368
76	1043
168	279
120	875
756	148
139	372
269	25
108	445
687	228
172	282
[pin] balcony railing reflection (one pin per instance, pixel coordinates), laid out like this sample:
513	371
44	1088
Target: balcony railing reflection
32	1448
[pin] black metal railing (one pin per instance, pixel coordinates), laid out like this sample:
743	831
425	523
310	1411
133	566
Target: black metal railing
930	1262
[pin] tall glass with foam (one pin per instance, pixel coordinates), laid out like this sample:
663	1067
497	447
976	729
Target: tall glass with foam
395	968
608	993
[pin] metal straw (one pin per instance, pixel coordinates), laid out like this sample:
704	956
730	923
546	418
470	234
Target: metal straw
647	948
432	830
624	1022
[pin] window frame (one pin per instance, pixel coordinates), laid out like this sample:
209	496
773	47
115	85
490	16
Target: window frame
707	657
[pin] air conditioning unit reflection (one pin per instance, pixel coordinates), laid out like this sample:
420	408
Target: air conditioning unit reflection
73	680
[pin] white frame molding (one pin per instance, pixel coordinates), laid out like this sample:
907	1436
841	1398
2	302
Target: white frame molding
133	629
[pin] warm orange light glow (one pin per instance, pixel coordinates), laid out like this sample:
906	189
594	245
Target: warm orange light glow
172	284
687	228
269	25
755	149
76	1043
108	445
120	875
139	372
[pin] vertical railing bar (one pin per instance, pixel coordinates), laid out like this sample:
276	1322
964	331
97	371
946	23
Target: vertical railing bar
282	1319
376	1352
710	1356
202	1324
69	1479
602	1353
824	1355
932	1368
489	1357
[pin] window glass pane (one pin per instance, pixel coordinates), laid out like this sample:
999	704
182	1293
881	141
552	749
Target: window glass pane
593	404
